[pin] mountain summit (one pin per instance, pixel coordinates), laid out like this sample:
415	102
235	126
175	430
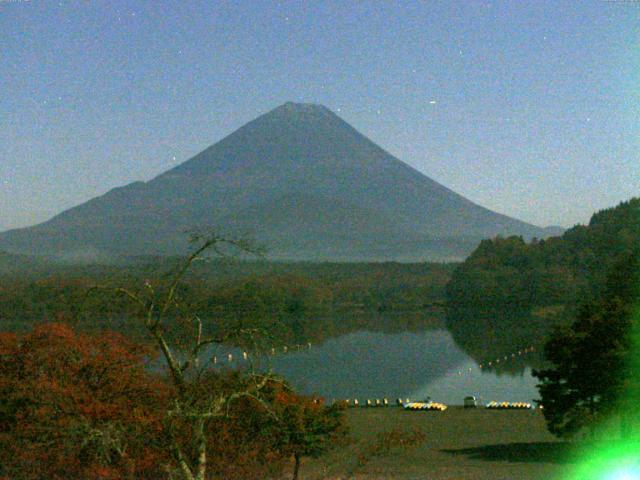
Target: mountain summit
298	178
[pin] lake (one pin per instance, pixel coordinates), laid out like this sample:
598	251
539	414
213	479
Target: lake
400	364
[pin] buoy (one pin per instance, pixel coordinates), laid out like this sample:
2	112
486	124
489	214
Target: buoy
245	355
230	357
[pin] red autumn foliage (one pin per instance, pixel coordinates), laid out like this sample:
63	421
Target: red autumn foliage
260	439
306	426
78	406
242	443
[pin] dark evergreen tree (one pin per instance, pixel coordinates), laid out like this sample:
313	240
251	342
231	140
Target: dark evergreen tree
595	366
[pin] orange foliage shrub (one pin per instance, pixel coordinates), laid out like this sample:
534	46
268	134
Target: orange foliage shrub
78	406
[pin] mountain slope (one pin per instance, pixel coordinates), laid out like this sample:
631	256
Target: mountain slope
301	179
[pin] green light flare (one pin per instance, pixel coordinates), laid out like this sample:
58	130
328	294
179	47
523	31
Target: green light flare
620	461
611	458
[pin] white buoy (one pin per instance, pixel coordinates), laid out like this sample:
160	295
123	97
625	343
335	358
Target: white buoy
245	355
230	357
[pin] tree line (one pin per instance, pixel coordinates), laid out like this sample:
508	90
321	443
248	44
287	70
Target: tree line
229	287
578	298
510	291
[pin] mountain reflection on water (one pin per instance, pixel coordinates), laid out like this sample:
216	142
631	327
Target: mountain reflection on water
405	355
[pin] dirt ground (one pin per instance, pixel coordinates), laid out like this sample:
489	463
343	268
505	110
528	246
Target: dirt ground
474	444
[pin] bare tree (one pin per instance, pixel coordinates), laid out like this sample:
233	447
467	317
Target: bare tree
193	405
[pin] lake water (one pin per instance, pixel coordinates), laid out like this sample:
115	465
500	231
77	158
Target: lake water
365	364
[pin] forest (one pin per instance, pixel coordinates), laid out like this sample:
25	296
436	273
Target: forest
299	302
510	291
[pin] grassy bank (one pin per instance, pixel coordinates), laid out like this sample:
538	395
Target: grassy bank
460	444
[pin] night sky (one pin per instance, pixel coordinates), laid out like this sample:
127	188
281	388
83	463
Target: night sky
529	108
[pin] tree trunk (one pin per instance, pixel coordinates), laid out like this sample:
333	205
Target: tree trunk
202	449
182	462
296	466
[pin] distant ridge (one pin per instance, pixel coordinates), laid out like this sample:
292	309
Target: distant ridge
301	180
